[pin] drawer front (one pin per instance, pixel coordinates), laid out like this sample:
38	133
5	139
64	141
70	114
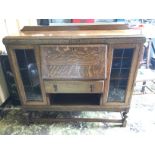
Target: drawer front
74	86
61	62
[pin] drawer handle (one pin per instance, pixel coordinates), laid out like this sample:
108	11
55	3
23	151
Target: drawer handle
91	88
55	87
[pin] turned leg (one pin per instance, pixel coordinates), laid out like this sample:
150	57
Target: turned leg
124	117
143	87
28	117
1	114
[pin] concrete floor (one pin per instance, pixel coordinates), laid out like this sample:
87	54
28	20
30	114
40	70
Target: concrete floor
141	120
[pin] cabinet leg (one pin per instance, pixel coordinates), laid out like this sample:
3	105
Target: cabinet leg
1	114
124	119
28	117
143	87
124	123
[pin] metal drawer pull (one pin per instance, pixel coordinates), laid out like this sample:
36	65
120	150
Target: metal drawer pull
55	88
91	88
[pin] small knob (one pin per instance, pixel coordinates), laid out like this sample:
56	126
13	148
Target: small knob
91	88
55	87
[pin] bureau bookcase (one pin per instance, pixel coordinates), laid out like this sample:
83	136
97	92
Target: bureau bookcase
75	68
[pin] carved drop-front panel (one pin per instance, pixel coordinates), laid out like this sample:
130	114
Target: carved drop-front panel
74	61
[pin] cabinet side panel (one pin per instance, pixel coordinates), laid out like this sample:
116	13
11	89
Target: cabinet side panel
133	73
107	81
18	81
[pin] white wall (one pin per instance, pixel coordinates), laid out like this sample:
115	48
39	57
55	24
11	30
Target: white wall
4	93
9	27
13	26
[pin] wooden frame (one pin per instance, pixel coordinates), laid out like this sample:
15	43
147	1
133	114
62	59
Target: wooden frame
103	101
112	39
132	74
99	46
18	77
71	27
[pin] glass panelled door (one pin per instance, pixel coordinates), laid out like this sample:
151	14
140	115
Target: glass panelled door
121	65
29	73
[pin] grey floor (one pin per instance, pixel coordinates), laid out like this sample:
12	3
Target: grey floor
141	119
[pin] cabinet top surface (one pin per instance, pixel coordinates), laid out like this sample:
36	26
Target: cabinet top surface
80	31
79	34
75	32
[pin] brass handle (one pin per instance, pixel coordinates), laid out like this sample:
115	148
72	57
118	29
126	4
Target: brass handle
55	87
91	88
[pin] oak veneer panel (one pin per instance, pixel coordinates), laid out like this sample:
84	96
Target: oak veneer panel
110	107
74	86
74	62
71	27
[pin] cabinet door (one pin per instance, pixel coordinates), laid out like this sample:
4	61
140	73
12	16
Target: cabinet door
123	71
28	75
78	62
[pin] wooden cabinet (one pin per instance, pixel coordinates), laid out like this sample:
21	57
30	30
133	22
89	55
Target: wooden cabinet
75	70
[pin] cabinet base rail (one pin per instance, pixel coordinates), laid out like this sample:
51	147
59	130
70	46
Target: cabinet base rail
32	117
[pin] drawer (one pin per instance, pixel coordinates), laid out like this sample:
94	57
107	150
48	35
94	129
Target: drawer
73	62
74	86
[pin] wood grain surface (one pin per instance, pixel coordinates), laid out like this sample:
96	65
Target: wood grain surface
71	27
74	86
74	62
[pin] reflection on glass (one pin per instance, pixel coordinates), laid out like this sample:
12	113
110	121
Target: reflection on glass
120	70
29	73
